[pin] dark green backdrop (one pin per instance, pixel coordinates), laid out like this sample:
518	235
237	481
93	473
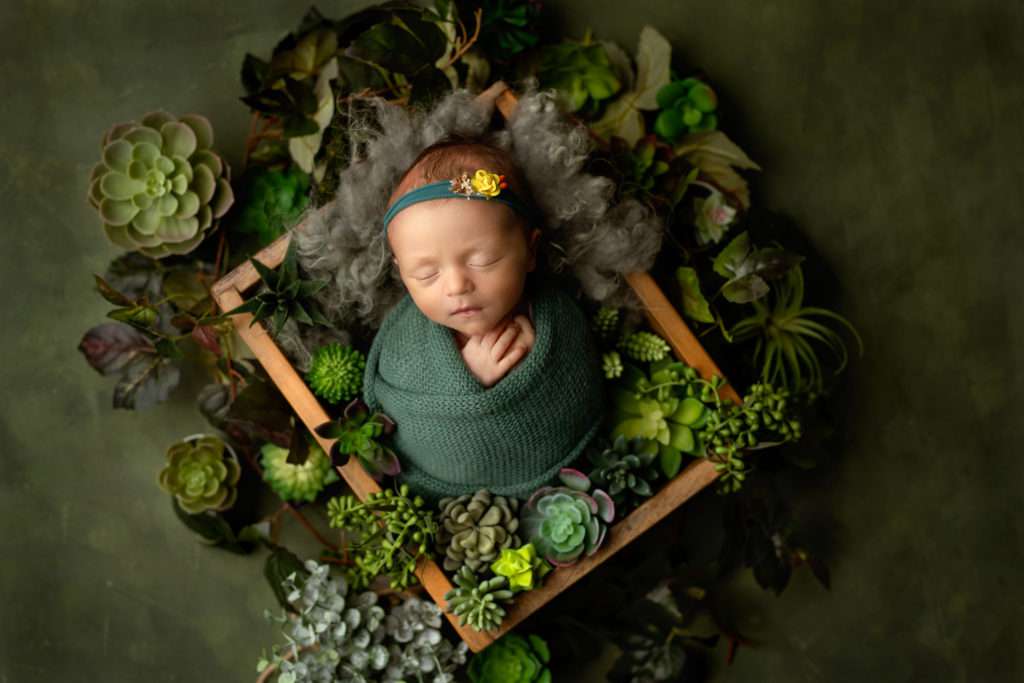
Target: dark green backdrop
890	131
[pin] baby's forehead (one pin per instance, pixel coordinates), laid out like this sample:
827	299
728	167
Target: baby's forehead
451	222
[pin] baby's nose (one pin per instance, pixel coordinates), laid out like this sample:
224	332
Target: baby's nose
458	283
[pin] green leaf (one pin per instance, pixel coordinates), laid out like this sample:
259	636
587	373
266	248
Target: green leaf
254	73
110	294
695	306
670	460
147	380
280	564
623	116
729	262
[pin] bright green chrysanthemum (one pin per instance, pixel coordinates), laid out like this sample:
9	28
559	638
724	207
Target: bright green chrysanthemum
160	188
202	474
336	372
296	482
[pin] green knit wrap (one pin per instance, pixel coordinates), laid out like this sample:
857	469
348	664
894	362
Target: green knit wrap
454	436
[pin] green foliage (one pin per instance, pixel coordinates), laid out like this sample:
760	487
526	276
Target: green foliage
787	333
748	269
285	296
623	117
201	473
508	27
606	322
644	346
649	171
270	201
687	106
336	634
475	529
160	189
336	372
580	72
357	433
512	659
386	535
626	470
564	523
297	477
476	602
695	306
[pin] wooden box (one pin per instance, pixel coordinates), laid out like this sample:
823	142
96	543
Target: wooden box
230	291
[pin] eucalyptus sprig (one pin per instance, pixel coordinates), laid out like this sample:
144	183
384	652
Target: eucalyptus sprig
386	535
785	331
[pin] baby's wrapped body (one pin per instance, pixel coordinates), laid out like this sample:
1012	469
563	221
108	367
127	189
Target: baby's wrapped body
454	436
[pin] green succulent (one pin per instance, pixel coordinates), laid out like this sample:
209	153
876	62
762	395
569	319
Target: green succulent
476	602
358	433
475	529
606	322
581	72
336	372
521	566
512	659
644	346
687	106
626	470
564	523
296	481
508	27
787	334
270	201
611	364
160	189
202	473
285	296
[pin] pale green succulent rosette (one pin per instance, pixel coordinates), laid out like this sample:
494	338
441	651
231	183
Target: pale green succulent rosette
202	473
296	482
160	188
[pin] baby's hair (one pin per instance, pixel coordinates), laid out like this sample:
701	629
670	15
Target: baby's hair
457	154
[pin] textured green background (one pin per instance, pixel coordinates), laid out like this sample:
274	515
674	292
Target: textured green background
890	131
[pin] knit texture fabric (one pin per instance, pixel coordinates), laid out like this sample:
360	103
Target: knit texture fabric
454	436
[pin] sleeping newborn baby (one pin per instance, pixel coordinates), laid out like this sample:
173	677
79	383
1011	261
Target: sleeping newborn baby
488	370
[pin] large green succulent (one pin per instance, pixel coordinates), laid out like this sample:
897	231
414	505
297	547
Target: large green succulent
581	72
564	523
160	188
201	473
476	602
270	201
296	481
475	529
512	659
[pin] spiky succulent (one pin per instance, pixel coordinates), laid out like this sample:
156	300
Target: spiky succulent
512	659
476	602
564	523
284	296
296	482
687	106
160	188
644	346
626	470
201	473
475	529
336	372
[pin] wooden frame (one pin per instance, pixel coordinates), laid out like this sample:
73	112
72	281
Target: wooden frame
229	292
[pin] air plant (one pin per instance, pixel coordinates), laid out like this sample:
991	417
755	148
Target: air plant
785	331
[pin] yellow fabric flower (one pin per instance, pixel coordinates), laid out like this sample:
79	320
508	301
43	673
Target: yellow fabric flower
487	183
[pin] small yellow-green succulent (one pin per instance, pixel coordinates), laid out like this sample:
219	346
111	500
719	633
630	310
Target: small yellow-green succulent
522	567
202	474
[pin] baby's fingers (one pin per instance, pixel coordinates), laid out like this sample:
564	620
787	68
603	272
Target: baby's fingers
504	341
514	355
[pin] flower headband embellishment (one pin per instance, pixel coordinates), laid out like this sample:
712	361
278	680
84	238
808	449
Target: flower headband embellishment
483	184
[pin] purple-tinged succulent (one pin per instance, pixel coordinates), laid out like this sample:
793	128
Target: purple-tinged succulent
565	523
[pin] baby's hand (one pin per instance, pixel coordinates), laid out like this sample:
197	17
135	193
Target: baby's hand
490	356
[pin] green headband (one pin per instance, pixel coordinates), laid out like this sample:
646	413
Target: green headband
483	185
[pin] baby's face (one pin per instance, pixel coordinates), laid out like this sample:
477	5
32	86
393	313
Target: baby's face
463	261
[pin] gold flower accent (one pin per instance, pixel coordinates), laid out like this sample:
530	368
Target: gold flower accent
487	183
